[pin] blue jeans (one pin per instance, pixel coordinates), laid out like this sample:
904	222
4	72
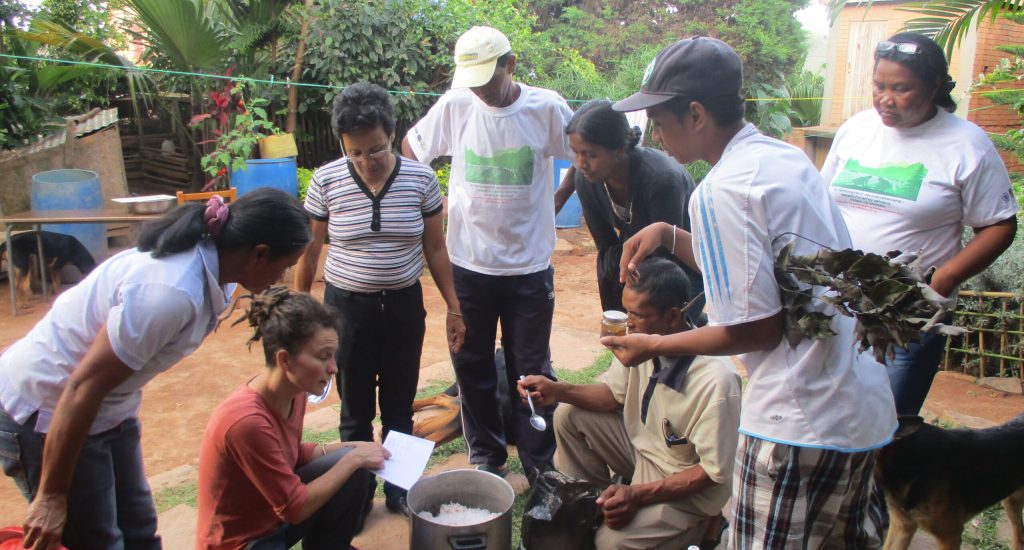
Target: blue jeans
109	503
912	370
336	523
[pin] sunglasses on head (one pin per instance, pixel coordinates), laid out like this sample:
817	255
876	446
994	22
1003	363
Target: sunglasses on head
907	48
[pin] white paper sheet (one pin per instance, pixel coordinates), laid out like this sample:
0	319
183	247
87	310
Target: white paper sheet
409	456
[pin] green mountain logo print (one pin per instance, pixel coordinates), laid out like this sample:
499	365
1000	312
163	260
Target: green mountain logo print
902	181
506	167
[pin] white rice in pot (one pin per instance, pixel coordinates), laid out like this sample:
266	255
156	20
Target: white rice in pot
457	515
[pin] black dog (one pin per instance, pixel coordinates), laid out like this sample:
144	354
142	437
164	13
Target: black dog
937	479
58	251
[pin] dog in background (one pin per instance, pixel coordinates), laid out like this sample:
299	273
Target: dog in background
937	479
58	251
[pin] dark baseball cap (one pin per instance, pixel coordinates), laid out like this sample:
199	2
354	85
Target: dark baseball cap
692	67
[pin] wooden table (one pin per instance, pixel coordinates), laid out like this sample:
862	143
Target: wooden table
36	218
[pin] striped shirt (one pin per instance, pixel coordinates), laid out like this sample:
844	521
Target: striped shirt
361	259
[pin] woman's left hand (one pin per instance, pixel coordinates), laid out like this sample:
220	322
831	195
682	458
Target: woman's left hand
45	522
456	330
942	284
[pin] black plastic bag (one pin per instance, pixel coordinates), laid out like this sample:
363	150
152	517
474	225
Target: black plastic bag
562	513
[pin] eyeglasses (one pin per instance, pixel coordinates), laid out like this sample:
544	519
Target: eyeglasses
367	157
907	48
671	439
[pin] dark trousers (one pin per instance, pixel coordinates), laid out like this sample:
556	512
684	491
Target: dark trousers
524	305
109	502
335	524
379	348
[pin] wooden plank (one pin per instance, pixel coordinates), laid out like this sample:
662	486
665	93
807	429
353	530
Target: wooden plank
860	62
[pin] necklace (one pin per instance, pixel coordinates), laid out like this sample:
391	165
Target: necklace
628	218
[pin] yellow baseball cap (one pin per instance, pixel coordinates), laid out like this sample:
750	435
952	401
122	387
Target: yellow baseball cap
476	55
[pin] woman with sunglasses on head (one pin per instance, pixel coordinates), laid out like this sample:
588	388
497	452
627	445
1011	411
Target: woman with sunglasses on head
382	213
623	188
260	487
908	175
70	390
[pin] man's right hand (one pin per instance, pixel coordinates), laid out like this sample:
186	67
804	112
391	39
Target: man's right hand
542	390
639	247
45	522
367	455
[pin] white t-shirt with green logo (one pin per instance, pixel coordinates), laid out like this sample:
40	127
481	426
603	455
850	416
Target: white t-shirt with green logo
501	217
913	189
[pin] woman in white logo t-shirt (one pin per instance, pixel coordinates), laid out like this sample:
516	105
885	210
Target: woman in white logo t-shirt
909	175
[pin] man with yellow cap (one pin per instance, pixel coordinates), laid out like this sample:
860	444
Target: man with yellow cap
502	136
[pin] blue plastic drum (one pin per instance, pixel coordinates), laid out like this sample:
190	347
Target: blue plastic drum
72	189
278	173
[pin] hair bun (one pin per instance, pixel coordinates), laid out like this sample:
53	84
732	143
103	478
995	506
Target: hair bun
949	84
261	308
634	136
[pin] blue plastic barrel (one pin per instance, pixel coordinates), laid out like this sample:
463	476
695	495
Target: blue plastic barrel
72	189
278	173
571	214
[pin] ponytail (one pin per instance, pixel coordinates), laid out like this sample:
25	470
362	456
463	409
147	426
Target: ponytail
176	231
265	216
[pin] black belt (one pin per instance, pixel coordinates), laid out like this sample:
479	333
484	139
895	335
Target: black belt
377	294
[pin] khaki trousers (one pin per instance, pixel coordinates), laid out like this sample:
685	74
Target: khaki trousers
592	443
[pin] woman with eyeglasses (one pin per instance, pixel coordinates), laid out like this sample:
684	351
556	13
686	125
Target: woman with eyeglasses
908	175
623	188
382	213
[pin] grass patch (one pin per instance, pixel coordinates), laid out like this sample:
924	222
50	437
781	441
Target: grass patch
326	436
168	498
446	451
982	532
588	375
433	388
518	507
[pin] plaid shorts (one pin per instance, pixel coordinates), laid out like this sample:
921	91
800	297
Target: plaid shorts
803	498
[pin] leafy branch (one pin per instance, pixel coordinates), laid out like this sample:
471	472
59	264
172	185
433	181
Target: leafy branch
887	295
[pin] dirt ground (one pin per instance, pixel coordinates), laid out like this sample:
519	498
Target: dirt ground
177	404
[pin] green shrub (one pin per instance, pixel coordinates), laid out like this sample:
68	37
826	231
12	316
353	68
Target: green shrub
444	172
304	175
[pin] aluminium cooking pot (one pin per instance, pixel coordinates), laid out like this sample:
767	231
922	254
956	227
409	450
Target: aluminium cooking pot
473	489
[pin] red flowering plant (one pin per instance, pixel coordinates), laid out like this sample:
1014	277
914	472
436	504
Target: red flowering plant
237	125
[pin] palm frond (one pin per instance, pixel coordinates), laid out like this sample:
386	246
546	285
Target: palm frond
181	31
65	39
948	21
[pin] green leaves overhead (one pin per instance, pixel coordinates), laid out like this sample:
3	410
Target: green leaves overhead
948	21
888	296
181	31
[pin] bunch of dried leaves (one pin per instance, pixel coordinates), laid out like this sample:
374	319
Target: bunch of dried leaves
888	295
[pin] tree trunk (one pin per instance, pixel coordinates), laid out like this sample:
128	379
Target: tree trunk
300	52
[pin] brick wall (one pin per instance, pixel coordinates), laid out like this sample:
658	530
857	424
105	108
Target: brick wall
981	111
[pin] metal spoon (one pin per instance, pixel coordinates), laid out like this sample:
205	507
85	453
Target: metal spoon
314	398
536	420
